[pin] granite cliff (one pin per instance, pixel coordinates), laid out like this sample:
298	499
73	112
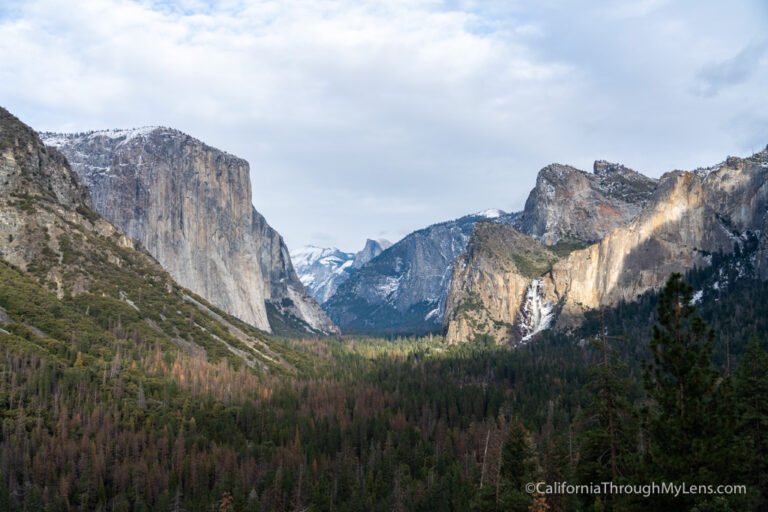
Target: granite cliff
691	216
687	217
490	282
78	283
570	204
190	206
406	289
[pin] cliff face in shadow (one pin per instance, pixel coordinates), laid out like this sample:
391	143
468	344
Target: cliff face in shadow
403	289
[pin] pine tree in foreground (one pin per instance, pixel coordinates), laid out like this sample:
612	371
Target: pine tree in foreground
608	438
751	390
688	419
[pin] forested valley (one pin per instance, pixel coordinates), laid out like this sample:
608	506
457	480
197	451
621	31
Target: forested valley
97	415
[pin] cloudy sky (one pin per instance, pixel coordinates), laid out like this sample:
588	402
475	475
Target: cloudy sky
372	118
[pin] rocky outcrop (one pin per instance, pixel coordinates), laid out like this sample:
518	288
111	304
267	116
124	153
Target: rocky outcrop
569	204
41	203
322	270
370	250
490	285
190	206
39	193
689	216
30	169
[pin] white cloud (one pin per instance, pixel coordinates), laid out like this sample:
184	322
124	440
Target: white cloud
363	116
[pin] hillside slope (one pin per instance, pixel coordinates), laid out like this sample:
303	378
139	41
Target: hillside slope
78	277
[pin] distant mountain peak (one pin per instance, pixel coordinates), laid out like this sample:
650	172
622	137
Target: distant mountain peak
383	242
403	289
323	269
491	213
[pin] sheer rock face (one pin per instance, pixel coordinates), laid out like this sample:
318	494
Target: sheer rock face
49	232
691	215
567	203
688	216
371	249
190	206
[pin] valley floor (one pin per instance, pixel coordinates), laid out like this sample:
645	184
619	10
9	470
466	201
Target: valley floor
115	421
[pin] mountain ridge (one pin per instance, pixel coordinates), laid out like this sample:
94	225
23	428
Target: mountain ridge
403	290
567	209
689	216
568	203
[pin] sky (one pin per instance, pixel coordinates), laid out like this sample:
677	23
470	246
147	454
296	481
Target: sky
373	118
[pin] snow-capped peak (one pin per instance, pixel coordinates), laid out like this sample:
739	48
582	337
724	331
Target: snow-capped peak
308	255
323	269
491	213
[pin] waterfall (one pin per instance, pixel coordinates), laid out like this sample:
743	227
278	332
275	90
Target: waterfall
536	314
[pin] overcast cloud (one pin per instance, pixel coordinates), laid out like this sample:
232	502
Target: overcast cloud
365	118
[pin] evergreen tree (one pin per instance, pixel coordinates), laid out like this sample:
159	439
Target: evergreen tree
688	430
607	444
518	467
751	390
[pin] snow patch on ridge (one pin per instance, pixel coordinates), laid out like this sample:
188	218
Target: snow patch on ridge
57	140
491	213
389	286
